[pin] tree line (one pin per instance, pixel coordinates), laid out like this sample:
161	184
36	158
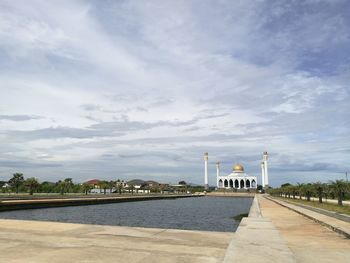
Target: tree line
18	184
338	189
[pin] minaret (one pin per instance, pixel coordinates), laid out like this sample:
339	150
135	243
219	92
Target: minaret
206	185
265	157
217	173
262	174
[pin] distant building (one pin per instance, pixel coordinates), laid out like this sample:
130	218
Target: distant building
141	186
238	179
95	183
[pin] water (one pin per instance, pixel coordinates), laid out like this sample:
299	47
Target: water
197	213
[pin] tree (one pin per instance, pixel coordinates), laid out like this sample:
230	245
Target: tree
182	183
327	191
104	185
299	187
307	191
285	185
119	185
339	188
65	185
68	184
294	190
47	187
111	186
16	181
86	188
319	188
32	184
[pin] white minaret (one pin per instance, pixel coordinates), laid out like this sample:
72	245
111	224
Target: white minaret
206	185
217	173
265	157
262	174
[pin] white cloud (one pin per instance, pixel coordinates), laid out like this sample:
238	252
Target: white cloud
170	80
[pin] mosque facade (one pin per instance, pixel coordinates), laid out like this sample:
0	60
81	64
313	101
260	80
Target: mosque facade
237	179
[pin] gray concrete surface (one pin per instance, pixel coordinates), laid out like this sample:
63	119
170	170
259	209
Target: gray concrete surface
257	241
338	225
308	240
38	242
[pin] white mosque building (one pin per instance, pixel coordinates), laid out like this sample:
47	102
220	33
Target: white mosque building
237	179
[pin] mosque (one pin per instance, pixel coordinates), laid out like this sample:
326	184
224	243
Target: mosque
237	179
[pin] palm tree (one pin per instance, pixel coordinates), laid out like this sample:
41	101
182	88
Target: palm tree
68	184
111	186
86	188
104	185
16	181
32	184
65	186
119	185
319	188
299	187
339	188
327	191
294	190
307	191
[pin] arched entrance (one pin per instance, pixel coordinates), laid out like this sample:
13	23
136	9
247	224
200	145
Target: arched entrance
247	183
220	183
253	183
236	184
242	184
231	183
226	183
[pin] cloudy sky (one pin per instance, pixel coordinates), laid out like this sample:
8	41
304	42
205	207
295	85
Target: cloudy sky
141	89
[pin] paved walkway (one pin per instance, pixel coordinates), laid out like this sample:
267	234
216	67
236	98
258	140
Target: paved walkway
323	217
308	240
39	242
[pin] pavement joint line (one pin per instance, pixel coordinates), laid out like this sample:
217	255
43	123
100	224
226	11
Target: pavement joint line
323	223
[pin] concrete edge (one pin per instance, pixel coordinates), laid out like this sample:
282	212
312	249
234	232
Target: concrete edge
51	203
257	240
328	225
255	210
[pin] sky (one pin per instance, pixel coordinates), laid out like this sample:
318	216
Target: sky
142	89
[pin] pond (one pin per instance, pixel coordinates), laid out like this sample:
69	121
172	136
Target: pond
195	213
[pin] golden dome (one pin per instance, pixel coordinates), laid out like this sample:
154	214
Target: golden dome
238	168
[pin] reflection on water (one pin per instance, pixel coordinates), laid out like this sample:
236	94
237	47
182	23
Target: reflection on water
198	213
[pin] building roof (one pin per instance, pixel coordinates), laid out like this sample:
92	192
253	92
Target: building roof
141	182
93	181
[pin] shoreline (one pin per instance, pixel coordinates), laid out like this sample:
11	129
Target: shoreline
10	205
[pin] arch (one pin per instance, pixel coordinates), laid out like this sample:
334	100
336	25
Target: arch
236	184
231	183
220	183
242	183
225	183
253	183
247	183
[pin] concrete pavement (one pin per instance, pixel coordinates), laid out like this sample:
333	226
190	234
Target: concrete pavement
39	242
309	241
271	233
258	241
